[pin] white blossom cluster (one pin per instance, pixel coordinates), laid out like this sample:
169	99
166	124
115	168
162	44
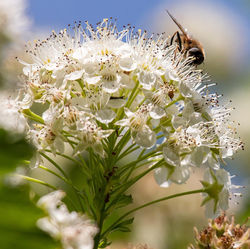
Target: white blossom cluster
99	80
74	231
13	21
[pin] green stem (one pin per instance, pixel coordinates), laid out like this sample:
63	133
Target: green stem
148	204
55	164
65	156
140	159
129	150
31	179
120	190
55	174
180	97
100	224
31	115
107	164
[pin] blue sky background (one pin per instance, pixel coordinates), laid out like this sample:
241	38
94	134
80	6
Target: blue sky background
58	13
48	15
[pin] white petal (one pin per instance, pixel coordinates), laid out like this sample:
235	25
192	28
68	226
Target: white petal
178	121
157	112
127	64
116	103
171	157
185	90
173	75
128	112
145	138
59	144
209	209
92	80
126	81
35	161
198	156
74	75
50	66
123	122
105	115
147	80
223	177
46	225
79	53
214	164
180	174
111	86
224	199
161	177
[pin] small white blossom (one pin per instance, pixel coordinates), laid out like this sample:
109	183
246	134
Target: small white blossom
140	131
218	191
10	117
90	135
49	134
75	231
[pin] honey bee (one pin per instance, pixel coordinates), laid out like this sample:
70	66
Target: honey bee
188	46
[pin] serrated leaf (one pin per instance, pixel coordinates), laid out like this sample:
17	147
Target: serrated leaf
122	226
123	201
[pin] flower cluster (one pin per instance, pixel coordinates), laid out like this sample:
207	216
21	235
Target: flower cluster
74	230
222	233
102	80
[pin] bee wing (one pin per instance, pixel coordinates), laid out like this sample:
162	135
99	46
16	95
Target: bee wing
179	26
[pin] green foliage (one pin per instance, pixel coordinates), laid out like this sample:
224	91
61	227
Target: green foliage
18	218
123	226
12	151
18	215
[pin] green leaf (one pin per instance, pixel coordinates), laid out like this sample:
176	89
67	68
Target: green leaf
122	201
104	243
18	216
122	226
12	151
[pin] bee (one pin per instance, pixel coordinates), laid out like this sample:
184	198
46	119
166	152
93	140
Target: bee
188	46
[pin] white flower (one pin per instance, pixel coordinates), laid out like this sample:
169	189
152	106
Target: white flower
166	174
218	191
188	145
51	200
49	134
11	118
74	230
140	131
90	136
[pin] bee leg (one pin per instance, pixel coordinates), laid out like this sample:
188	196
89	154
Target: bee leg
179	40
171	41
172	38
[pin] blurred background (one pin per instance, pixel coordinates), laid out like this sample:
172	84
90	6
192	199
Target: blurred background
222	27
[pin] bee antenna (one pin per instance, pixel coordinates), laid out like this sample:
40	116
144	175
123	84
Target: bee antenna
175	21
